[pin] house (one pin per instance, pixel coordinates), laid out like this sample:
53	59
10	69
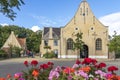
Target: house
95	36
14	41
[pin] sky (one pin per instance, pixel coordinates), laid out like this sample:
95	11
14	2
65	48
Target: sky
36	14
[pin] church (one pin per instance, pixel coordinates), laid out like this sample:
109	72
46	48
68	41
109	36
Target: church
95	36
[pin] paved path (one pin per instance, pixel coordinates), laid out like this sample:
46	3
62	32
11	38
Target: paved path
16	65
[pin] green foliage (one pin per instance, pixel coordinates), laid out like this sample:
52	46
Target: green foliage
49	55
7	7
114	44
47	47
33	39
3	54
78	43
16	51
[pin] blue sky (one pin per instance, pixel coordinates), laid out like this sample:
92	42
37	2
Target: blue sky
36	14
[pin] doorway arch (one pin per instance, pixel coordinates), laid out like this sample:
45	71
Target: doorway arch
84	52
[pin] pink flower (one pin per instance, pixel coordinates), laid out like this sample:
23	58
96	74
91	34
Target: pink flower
17	75
101	73
75	66
81	73
53	75
108	75
58	69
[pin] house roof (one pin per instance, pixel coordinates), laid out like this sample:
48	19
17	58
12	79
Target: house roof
12	40
22	41
55	33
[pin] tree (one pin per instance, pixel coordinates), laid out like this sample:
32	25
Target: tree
7	7
33	39
114	44
78	43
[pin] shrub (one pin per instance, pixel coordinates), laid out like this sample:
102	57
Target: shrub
49	55
3	54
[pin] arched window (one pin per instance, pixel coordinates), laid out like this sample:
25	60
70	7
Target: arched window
45	42
98	44
70	44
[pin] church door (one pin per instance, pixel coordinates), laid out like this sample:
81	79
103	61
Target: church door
84	52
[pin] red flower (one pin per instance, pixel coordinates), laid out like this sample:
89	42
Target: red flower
87	61
50	63
101	65
94	61
26	63
112	68
78	62
44	66
34	62
8	76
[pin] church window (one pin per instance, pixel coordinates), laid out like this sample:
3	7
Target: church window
55	42
98	44
70	44
46	42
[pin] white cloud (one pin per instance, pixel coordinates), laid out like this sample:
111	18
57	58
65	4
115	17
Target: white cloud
113	21
44	21
4	24
35	28
56	22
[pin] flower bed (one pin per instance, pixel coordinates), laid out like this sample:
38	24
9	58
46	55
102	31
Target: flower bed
88	69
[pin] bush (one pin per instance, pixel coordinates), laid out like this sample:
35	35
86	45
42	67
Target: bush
3	54
49	55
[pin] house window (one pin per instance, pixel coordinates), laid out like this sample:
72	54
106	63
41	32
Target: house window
98	44
46	42
70	44
55	42
56	53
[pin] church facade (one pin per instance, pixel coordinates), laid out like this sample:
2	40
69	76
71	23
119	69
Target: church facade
95	36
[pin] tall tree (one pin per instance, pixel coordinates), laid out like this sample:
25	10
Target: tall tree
7	7
78	43
114	44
